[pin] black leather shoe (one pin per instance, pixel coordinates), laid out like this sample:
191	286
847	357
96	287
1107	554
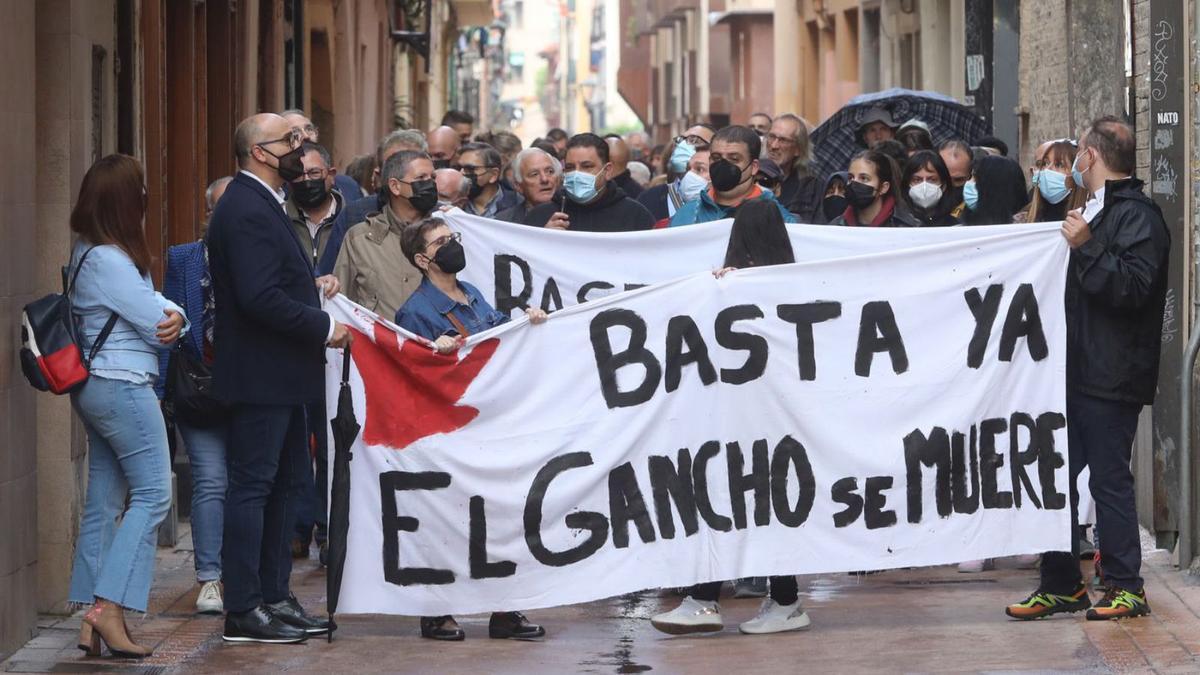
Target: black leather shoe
259	625
441	628
290	612
513	626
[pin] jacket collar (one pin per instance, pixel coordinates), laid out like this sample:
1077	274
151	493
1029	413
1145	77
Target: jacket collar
384	223
709	196
441	302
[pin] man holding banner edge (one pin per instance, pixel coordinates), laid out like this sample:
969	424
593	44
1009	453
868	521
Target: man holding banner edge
1116	291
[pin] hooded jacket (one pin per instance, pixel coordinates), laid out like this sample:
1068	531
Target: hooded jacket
1116	290
891	215
706	209
612	211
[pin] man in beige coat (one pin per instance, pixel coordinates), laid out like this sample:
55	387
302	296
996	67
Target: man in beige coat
370	266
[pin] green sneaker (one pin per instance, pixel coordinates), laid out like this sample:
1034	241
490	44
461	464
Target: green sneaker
1043	603
1119	603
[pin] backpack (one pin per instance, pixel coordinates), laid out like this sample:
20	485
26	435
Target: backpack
50	354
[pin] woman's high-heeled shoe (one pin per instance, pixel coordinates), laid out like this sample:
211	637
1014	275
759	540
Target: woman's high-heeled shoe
89	639
108	621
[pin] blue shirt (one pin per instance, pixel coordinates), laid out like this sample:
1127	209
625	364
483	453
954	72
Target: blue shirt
426	312
109	282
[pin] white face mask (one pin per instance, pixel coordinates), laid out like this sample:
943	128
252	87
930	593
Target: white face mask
925	194
691	185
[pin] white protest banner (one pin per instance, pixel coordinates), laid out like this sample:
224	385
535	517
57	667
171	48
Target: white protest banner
518	265
893	409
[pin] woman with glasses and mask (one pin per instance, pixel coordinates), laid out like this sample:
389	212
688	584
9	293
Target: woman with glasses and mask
663	200
926	179
1054	190
446	311
871	194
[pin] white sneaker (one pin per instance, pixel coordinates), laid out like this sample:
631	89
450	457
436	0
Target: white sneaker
776	618
691	616
209	601
975	566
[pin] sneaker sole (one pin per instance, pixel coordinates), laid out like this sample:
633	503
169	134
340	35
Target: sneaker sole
1052	612
210	610
1131	615
272	641
798	627
687	629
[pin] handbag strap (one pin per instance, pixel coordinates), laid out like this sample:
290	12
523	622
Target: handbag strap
108	325
458	325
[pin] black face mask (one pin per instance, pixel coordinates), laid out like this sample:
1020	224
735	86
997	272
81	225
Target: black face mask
441	164
424	195
310	194
291	164
451	258
860	195
476	189
725	175
833	206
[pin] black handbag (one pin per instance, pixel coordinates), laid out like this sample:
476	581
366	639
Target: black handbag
189	390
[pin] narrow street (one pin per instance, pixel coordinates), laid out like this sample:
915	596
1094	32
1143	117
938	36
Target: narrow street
928	620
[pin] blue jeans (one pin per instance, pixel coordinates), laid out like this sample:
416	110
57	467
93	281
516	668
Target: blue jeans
206	452
127	453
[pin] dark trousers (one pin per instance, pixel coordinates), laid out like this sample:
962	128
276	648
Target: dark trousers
314	501
266	456
784	590
1100	436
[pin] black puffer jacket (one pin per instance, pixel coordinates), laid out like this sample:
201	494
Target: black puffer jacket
1116	288
612	211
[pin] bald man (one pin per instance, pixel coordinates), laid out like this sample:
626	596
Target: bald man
618	154
269	348
443	146
452	187
304	126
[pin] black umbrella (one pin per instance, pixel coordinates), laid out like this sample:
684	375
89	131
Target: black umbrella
345	429
835	141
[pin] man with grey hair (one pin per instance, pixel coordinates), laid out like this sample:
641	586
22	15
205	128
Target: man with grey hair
358	210
213	194
372	268
453	188
302	124
483	166
536	174
787	145
639	146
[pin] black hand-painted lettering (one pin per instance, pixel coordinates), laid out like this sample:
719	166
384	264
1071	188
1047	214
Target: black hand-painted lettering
551	297
805	316
1018	459
596	524
681	330
506	301
625	505
984	309
963	486
755	345
758	481
874	515
608	363
672	484
845	491
878	332
481	567
790	453
931	451
1050	459
1023	320
714	520
391	482
581	296
990	463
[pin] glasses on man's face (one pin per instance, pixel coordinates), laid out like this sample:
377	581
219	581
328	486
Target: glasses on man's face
443	240
316	174
307	130
776	138
293	139
472	169
695	141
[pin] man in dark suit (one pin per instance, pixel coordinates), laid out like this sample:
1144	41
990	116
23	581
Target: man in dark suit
270	335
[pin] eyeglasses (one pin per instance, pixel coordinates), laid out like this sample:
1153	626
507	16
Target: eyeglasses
468	168
307	130
695	141
776	138
314	174
293	139
444	239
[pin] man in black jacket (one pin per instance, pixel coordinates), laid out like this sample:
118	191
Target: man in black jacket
1116	289
593	203
788	147
270	339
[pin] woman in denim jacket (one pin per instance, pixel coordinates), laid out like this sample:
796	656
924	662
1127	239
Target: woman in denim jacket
127	439
447	311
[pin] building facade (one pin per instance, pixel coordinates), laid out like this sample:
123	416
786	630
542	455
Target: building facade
165	81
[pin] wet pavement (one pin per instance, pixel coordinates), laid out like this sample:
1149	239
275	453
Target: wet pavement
928	620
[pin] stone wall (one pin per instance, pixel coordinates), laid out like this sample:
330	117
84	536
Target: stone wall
18	443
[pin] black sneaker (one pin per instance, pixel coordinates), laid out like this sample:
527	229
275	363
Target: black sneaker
1044	603
258	625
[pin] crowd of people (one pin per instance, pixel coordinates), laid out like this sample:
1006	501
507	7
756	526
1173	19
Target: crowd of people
243	305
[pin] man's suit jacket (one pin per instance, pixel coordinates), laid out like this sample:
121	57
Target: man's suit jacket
270	332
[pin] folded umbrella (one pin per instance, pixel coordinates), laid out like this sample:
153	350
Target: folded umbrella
345	429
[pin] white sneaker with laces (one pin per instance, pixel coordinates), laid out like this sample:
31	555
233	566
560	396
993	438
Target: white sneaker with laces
209	601
691	616
776	618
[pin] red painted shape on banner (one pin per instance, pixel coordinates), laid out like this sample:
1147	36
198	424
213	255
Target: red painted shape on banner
412	392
